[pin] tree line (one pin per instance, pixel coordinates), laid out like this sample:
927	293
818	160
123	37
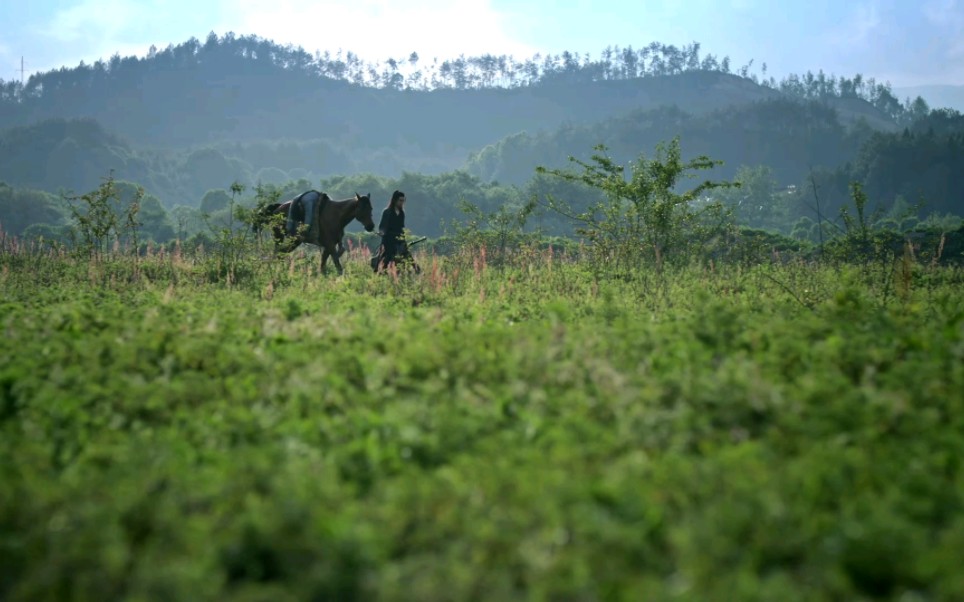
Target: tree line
256	55
908	177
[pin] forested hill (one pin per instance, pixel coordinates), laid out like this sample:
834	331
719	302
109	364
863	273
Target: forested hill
246	88
788	136
199	116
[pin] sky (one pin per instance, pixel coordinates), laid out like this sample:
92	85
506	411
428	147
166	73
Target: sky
904	42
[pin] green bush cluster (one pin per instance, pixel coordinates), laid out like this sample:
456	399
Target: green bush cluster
713	431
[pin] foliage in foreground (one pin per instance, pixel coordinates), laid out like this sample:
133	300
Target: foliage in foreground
769	432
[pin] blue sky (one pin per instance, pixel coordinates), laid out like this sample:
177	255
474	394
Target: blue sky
905	42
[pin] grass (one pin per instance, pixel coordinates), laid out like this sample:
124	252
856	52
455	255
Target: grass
175	429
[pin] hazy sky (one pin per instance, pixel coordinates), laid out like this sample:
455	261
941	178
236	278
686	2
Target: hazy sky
905	42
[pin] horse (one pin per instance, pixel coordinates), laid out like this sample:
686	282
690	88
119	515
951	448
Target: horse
325	225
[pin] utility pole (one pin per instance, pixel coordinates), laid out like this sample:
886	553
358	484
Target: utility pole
19	92
813	184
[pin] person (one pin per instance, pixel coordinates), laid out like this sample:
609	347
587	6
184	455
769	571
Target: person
392	230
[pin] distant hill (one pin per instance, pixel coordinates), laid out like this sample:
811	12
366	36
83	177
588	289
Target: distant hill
938	97
198	116
787	135
193	107
65	154
74	155
248	89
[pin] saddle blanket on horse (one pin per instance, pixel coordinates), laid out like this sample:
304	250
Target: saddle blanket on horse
304	209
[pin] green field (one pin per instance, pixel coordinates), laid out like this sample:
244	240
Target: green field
174	430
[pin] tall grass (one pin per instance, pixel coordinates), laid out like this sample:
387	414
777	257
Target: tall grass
775	429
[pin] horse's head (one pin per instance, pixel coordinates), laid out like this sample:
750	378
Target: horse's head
364	211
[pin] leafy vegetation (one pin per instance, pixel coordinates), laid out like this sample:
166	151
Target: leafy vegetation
718	429
643	219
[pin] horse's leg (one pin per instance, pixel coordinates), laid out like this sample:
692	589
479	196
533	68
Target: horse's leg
335	258
324	259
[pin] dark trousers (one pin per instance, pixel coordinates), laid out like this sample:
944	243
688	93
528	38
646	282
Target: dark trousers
392	248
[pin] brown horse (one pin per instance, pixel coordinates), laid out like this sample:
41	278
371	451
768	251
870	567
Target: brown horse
325	227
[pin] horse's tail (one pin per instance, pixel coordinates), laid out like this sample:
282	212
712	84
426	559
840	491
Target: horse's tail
263	215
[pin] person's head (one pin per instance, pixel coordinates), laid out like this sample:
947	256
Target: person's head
398	200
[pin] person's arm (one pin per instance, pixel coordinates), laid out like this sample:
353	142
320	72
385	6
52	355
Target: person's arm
382	224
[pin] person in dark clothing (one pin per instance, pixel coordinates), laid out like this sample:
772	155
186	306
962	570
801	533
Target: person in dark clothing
392	230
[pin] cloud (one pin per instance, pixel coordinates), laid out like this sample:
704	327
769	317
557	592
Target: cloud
866	21
944	12
377	29
947	16
857	33
97	29
9	64
93	19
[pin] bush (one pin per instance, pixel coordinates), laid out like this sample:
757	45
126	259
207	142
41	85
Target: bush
643	218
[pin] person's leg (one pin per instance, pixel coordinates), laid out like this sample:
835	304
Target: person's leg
389	254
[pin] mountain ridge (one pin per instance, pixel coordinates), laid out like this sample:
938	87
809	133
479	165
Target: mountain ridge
196	116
